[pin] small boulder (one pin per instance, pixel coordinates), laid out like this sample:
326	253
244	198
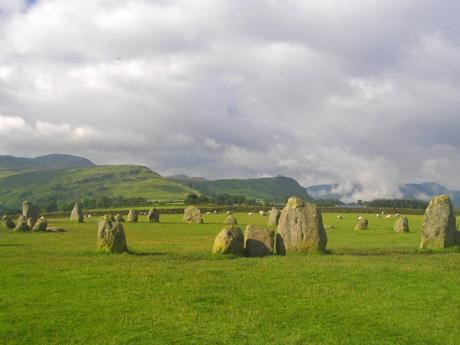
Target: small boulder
439	228
132	216
301	228
21	224
230	240
40	225
259	241
362	224
111	235
154	216
77	213
8	222
274	218
401	225
231	220
192	215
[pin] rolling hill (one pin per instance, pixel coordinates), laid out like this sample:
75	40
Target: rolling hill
67	185
270	188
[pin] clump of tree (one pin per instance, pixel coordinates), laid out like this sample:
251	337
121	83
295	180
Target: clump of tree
220	199
397	203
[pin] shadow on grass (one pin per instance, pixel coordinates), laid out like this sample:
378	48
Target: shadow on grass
13	245
392	252
130	252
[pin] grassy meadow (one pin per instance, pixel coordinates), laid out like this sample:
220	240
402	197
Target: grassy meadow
374	287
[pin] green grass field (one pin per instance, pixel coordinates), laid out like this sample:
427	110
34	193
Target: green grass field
373	288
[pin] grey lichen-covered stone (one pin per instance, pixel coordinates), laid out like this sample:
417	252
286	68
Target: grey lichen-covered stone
301	228
8	221
41	225
259	241
274	217
230	240
231	220
362	224
111	235
132	216
21	224
192	215
439	229
154	216
119	218
77	213
30	212
401	225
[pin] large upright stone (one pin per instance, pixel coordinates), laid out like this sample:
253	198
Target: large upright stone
8	222
439	229
301	228
192	215
21	224
77	213
30	212
132	216
154	216
259	241
274	217
401	225
229	240
111	235
119	218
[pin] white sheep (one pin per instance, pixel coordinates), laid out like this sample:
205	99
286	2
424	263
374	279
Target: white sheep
250	214
388	216
360	217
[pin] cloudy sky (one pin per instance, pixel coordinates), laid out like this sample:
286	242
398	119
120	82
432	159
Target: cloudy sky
345	91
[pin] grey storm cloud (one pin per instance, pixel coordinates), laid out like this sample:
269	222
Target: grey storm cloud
323	91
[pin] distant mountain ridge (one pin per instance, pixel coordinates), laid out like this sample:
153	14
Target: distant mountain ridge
419	191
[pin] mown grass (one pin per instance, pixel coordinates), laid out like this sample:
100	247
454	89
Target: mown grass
374	287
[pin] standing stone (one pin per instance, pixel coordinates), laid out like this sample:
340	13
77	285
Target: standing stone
259	241
439	229
132	216
8	222
154	216
21	224
30	211
231	220
229	240
300	228
401	225
119	218
192	215
40	225
77	213
362	224
274	217
111	235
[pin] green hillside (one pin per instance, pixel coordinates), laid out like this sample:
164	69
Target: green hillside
67	185
270	188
